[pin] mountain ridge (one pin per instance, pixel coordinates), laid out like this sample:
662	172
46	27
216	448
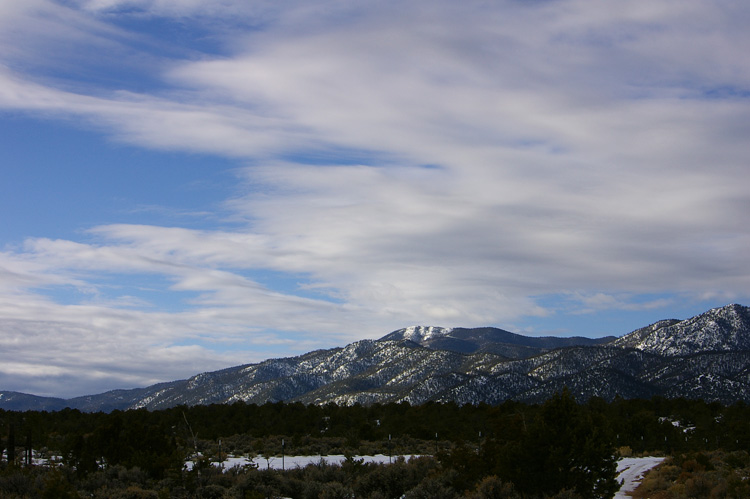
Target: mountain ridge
488	339
706	356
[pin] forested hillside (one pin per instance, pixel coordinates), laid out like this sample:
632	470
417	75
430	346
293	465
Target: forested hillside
511	446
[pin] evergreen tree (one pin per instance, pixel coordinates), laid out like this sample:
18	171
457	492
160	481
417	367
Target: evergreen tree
11	444
566	447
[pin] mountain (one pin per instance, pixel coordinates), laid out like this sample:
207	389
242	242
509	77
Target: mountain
489	340
15	401
707	356
725	329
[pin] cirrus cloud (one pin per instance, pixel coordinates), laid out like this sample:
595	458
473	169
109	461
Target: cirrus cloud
396	163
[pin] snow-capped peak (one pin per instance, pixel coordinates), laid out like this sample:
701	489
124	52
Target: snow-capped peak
418	334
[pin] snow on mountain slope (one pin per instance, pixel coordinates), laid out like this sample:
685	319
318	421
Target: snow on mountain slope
724	329
419	334
707	356
488	339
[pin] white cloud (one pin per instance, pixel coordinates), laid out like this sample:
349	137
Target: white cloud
458	162
177	8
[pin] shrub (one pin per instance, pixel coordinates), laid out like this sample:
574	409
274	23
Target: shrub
493	488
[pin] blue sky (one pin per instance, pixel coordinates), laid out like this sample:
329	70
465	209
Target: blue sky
190	185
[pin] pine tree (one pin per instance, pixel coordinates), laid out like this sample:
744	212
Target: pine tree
11	444
566	447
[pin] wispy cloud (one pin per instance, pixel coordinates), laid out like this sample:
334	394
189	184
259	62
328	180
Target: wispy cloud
396	163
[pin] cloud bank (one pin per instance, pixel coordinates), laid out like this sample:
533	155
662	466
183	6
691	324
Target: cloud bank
450	164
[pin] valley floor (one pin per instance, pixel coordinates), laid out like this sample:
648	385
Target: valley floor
291	462
630	470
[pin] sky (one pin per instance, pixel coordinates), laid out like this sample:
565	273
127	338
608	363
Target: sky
188	185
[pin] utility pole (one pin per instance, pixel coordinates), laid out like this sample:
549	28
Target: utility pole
195	443
27	454
195	437
389	449
283	446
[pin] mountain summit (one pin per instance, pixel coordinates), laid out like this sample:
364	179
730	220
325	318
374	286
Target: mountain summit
707	356
488	340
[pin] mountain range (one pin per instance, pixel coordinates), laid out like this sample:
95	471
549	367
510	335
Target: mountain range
704	357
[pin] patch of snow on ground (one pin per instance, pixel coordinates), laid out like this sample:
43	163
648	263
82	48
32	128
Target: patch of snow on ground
630	470
291	462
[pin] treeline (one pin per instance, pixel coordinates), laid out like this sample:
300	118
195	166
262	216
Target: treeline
657	424
533	450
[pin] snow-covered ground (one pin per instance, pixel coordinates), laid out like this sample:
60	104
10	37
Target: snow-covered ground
631	471
290	462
